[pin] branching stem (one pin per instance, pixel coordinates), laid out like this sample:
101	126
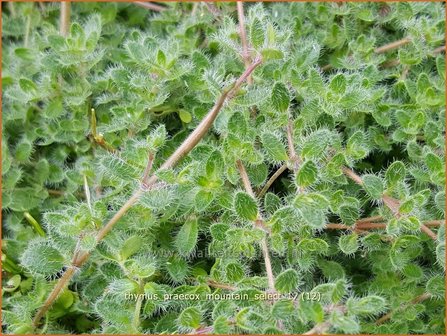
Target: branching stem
392	203
189	143
259	222
243	34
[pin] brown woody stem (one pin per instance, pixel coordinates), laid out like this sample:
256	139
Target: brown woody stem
271	180
64	24
392	203
189	143
392	45
418	299
149	5
258	223
245	53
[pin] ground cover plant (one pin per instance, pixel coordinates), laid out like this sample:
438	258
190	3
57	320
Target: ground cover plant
223	168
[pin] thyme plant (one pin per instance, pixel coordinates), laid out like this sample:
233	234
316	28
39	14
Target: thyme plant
258	168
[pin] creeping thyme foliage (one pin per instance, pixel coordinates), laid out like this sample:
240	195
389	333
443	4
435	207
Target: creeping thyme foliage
315	202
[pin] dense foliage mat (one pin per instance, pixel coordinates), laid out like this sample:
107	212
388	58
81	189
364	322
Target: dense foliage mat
310	197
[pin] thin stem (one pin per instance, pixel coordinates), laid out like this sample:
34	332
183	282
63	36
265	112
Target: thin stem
203	330
268	265
439	50
392	45
60	285
392	203
55	192
194	8
271	180
188	144
213	9
435	222
64	23
12	9
147	170
220	285
258	223
140	297
245	178
207	122
417	299
243	34
429	232
371	226
381	50
352	175
369	219
149	5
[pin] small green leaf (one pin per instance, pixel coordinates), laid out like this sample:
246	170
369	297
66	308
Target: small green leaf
245	206
271	202
242	319
370	305
190	318
395	173
203	199
348	243
186	238
177	268
185	116
234	272
280	97
54	109
271	54
42	259
331	269
433	162
283	309
357	146
256	31
287	281
25	54
313	245
214	164
338	84
349	214
27	85
13	283
411	223
130	247
221	326
373	186
307	174
274	147
382	115
436	286
157	137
